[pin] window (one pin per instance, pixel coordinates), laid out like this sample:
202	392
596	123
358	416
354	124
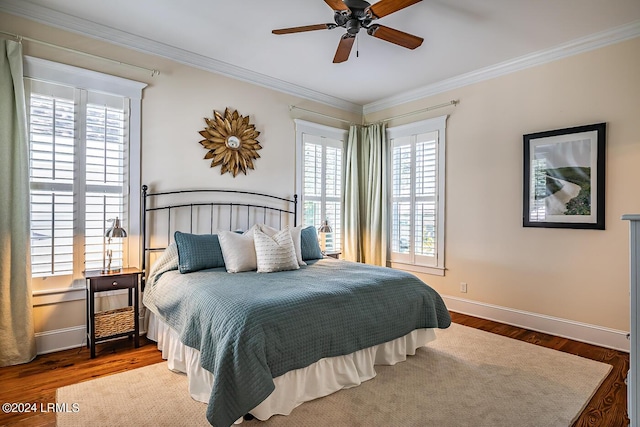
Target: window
416	231
81	146
320	160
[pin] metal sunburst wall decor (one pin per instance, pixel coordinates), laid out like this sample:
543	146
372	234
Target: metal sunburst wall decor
231	141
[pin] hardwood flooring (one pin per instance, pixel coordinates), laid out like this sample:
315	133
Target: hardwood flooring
36	382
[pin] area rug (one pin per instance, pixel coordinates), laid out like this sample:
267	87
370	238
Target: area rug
466	377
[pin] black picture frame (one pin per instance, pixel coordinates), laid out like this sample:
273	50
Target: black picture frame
564	178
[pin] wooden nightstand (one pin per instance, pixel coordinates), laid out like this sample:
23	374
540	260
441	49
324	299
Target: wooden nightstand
335	255
111	324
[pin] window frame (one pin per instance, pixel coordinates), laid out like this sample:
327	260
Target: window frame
53	72
412	262
337	134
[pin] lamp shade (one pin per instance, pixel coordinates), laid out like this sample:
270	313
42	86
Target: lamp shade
115	231
325	227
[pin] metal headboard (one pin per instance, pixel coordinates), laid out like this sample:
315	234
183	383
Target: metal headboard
232	201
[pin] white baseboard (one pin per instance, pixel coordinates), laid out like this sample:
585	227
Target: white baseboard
74	337
584	332
61	339
64	339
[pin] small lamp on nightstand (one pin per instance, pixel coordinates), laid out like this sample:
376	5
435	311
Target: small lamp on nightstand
324	229
114	232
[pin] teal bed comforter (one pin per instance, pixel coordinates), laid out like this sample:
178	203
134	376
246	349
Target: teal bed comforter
252	327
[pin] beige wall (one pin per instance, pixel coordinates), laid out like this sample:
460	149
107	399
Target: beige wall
173	110
174	105
579	275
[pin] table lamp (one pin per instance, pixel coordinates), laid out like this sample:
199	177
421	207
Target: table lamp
114	232
323	230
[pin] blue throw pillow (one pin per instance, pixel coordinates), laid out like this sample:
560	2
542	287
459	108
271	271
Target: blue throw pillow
198	251
309	245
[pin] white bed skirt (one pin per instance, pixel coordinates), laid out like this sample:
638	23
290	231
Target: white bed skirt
320	379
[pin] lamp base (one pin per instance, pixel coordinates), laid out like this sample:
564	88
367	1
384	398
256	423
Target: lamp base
110	270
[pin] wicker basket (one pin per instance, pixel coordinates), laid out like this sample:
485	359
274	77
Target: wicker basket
114	322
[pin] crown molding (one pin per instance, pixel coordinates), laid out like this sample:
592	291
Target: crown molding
97	31
574	47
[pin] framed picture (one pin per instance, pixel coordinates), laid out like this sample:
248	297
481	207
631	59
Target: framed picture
564	173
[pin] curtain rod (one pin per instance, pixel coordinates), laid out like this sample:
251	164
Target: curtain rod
293	107
433	107
79	52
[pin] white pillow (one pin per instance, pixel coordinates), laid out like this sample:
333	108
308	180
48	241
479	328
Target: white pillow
269	231
295	236
238	250
275	253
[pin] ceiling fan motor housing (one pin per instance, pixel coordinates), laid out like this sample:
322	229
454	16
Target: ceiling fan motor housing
353	26
356	4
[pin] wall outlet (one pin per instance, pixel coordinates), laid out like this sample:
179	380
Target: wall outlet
463	287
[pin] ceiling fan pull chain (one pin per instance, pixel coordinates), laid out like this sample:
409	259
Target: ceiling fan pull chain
357	46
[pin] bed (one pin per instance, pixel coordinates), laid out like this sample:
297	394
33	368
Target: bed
298	326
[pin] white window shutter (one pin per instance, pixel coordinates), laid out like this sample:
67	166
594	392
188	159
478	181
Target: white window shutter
417	194
78	176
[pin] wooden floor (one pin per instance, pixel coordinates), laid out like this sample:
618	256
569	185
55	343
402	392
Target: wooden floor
36	382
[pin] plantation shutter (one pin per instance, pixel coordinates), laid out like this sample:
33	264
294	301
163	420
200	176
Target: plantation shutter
106	178
52	135
322	185
312	176
426	195
417	195
402	181
78	180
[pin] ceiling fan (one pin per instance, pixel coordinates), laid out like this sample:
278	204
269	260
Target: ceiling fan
356	14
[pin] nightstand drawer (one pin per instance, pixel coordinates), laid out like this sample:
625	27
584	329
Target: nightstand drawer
113	283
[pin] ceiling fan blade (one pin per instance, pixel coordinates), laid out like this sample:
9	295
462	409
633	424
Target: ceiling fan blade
304	28
344	48
336	4
386	7
395	36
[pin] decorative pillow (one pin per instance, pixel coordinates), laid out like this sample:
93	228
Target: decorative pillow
269	231
309	246
295	236
275	253
198	251
238	250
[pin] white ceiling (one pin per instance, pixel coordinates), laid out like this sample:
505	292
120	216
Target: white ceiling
234	37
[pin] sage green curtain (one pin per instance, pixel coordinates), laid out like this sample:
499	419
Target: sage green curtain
17	338
352	246
366	191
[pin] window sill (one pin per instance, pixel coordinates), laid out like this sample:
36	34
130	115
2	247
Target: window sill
436	271
60	295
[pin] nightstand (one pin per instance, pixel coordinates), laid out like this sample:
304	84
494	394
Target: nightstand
335	255
110	324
